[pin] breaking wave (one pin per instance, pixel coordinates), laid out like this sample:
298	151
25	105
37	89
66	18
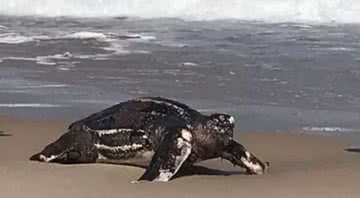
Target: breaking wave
265	10
30	105
329	129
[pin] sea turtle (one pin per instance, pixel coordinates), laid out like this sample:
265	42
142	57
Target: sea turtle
164	133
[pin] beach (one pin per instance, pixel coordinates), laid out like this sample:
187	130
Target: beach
301	166
286	70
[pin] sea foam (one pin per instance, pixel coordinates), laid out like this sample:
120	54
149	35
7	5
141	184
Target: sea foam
12	38
30	105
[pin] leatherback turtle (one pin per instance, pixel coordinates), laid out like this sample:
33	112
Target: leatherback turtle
162	132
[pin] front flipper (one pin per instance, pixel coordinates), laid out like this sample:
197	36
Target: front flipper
238	155
172	152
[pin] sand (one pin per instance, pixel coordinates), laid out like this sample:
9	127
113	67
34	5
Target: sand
301	166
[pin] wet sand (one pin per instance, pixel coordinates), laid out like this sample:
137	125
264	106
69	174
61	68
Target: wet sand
301	166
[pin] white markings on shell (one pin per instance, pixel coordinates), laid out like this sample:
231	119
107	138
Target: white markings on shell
101	157
123	148
178	109
114	131
117	148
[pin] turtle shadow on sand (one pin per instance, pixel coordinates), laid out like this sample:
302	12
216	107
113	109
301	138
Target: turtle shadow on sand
202	170
3	134
192	170
353	150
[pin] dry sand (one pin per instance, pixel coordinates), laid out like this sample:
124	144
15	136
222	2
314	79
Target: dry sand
301	166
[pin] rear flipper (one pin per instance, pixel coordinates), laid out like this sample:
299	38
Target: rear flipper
72	147
172	152
238	155
68	156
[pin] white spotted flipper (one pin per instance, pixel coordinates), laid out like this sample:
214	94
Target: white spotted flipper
172	152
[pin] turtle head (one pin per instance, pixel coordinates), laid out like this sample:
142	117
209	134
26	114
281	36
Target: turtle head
71	147
222	124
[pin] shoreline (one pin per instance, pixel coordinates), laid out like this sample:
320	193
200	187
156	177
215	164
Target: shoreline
301	166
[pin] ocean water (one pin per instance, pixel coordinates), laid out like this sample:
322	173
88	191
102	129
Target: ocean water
276	65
